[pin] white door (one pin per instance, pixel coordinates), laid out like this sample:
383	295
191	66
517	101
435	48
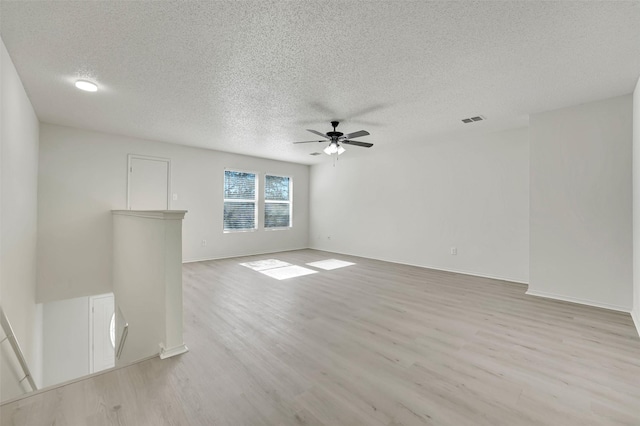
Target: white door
148	183
102	323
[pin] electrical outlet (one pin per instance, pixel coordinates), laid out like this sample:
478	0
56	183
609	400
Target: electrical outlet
204	243
454	251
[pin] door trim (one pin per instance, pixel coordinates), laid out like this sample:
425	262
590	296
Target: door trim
148	157
91	321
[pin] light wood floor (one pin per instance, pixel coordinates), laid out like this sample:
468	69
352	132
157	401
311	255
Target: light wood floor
371	344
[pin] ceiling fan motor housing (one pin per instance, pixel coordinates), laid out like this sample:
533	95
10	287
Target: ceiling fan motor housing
334	135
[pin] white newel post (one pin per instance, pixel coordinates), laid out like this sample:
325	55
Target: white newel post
147	282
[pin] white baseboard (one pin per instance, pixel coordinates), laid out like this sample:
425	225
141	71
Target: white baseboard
475	274
204	259
176	350
455	271
636	320
578	300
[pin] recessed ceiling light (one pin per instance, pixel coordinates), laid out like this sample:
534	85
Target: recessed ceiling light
87	86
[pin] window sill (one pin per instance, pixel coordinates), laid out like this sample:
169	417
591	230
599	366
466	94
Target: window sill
284	228
237	231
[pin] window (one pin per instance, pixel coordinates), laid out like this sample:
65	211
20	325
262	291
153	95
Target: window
277	202
239	201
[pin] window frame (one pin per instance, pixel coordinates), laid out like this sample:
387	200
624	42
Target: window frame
255	201
289	201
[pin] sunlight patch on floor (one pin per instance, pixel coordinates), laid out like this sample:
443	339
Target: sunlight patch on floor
288	272
261	265
280	270
330	264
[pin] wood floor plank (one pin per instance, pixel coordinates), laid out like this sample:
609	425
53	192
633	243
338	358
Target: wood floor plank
374	343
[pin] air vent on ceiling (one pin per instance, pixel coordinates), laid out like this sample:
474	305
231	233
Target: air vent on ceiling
315	153
473	119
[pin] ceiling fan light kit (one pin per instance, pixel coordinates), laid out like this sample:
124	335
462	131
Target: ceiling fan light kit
334	149
336	139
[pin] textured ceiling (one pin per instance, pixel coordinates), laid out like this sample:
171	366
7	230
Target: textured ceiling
249	77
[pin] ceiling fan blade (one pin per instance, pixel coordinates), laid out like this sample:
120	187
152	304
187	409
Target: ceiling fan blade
318	133
357	143
308	141
357	134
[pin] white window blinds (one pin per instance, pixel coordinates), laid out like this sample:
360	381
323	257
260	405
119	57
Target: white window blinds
277	202
239	201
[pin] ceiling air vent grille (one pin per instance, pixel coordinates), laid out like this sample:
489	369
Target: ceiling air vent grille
473	119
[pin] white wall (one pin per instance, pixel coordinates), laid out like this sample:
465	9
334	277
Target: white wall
411	205
66	340
19	146
635	313
147	282
581	203
83	176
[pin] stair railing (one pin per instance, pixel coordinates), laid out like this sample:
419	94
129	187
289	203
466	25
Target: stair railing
125	332
10	336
